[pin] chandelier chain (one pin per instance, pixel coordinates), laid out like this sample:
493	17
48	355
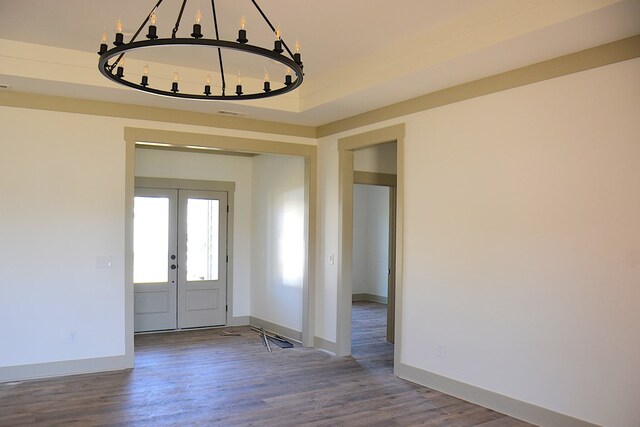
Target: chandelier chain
215	24
271	25
175	28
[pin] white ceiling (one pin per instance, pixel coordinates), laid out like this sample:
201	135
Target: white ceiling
358	54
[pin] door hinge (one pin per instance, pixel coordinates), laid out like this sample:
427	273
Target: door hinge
227	258
227	208
226	308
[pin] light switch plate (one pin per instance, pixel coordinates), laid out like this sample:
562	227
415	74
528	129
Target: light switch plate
104	262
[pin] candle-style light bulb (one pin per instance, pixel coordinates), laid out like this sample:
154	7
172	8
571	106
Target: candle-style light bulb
120	69
197	29
239	85
174	85
152	35
296	56
277	45
242	32
267	84
287	77
145	76
119	36
103	44
207	85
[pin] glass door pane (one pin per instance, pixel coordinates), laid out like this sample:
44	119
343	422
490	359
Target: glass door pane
202	239
150	239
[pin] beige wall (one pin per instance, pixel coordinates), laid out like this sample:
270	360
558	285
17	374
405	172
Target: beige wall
327	231
62	183
521	242
380	158
370	240
277	240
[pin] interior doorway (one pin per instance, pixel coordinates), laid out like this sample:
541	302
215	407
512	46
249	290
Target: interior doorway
373	269
180	259
373	284
346	149
220	144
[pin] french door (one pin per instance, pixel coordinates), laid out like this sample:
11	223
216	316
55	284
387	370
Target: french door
179	259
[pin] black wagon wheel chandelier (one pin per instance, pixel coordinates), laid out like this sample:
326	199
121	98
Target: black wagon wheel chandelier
281	53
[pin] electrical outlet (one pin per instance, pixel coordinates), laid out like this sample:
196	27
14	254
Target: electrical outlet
72	337
441	349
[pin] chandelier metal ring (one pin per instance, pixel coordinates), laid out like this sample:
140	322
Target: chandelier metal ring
107	71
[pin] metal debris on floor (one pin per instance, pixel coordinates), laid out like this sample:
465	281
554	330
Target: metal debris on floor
274	338
265	341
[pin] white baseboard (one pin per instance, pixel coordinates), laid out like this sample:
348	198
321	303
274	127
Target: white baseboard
498	402
369	297
278	329
325	345
238	321
65	367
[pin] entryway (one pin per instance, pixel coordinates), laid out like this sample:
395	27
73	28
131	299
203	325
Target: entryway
347	176
180	259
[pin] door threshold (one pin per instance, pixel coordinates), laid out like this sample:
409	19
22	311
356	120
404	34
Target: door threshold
164	331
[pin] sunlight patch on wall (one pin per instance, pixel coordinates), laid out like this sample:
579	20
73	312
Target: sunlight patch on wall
291	241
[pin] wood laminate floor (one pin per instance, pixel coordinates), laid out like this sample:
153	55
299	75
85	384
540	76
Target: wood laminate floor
201	378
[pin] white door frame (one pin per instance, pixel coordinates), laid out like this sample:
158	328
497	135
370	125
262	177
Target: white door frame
185	140
346	147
